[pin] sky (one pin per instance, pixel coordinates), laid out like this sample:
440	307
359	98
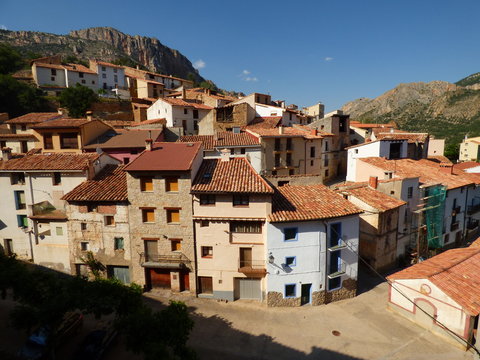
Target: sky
300	51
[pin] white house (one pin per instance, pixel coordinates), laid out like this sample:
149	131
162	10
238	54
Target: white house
32	214
182	113
111	78
58	76
312	246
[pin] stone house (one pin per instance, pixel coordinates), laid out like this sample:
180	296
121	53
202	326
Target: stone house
160	215
231	203
32	212
312	246
98	222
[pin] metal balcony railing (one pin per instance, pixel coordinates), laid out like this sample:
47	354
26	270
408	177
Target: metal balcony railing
179	259
454	226
472	209
252	266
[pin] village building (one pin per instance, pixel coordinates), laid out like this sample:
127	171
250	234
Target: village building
238	145
160	215
315	112
124	145
417	143
362	132
111	78
441	294
33	217
230	206
205	96
470	149
312	246
183	113
98	222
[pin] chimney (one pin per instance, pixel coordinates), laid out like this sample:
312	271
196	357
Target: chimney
373	182
6	153
215	136
446	168
280	130
89	115
61	111
313	132
225	155
148	144
137	67
184	93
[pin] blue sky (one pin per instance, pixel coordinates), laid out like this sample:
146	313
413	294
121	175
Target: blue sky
300	51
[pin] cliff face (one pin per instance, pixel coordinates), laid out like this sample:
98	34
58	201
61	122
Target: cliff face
445	110
107	44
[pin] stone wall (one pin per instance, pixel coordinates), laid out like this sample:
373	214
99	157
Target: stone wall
347	291
276	299
113	110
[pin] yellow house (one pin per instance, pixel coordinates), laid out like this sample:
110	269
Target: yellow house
469	149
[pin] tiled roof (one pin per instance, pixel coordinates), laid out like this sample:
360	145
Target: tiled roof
374	198
124	139
428	172
61	123
266	122
50	161
186	103
166	156
224	139
69	67
110	184
466	165
286	132
233	176
401	135
309	202
440	159
359	125
456	272
32	118
17	136
104	63
152	121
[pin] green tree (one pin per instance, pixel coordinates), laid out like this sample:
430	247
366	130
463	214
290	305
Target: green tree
10	59
452	151
77	100
17	98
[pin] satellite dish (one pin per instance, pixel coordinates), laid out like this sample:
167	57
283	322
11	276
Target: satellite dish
99	151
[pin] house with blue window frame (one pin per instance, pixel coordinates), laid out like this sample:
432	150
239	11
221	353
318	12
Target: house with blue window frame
312	246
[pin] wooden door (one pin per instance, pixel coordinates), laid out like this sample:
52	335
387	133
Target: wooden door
159	278
151	250
184	281
305	296
245	257
206	285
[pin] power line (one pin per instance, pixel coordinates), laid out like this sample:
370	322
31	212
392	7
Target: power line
449	331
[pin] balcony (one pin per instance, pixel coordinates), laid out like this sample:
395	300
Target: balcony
340	244
46	211
341	270
171	261
472	224
252	267
472	209
454	226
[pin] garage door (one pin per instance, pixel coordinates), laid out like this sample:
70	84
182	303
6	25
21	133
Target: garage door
159	278
250	289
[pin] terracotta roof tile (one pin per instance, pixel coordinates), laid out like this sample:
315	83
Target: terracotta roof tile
50	161
124	139
440	159
233	176
186	103
152	121
374	198
287	132
400	135
309	202
224	139
110	184
17	136
428	172
166	156
266	122
69	67
466	165
104	63
456	272
32	118
359	125
61	123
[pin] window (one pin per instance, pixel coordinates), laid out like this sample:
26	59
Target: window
8	245
22	220
59	231
290	261
326	145
290	234
204	223
109	220
47	141
3	144
251	227
173	215
17	179
104	68
80	75
69	141
57	178
283	183
277	145
53	72
104	76
335	234
290	290
126	160
24	127
207	251
83	226
195	114
326	173
115	70
325	161
118	243
242	151
240	200
334	283
20	202
93	81
207	199
195	125
148	215
91	207
277	160
171	184
176	244
84	246
24	146
291	172
146	184
115	78
289	159
410	192
312	151
83	81
52	78
289	143
185	111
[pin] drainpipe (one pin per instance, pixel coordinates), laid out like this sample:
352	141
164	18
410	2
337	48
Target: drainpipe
320	252
195	262
465	216
32	202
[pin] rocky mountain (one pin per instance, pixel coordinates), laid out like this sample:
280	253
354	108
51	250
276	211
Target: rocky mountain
441	108
107	44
